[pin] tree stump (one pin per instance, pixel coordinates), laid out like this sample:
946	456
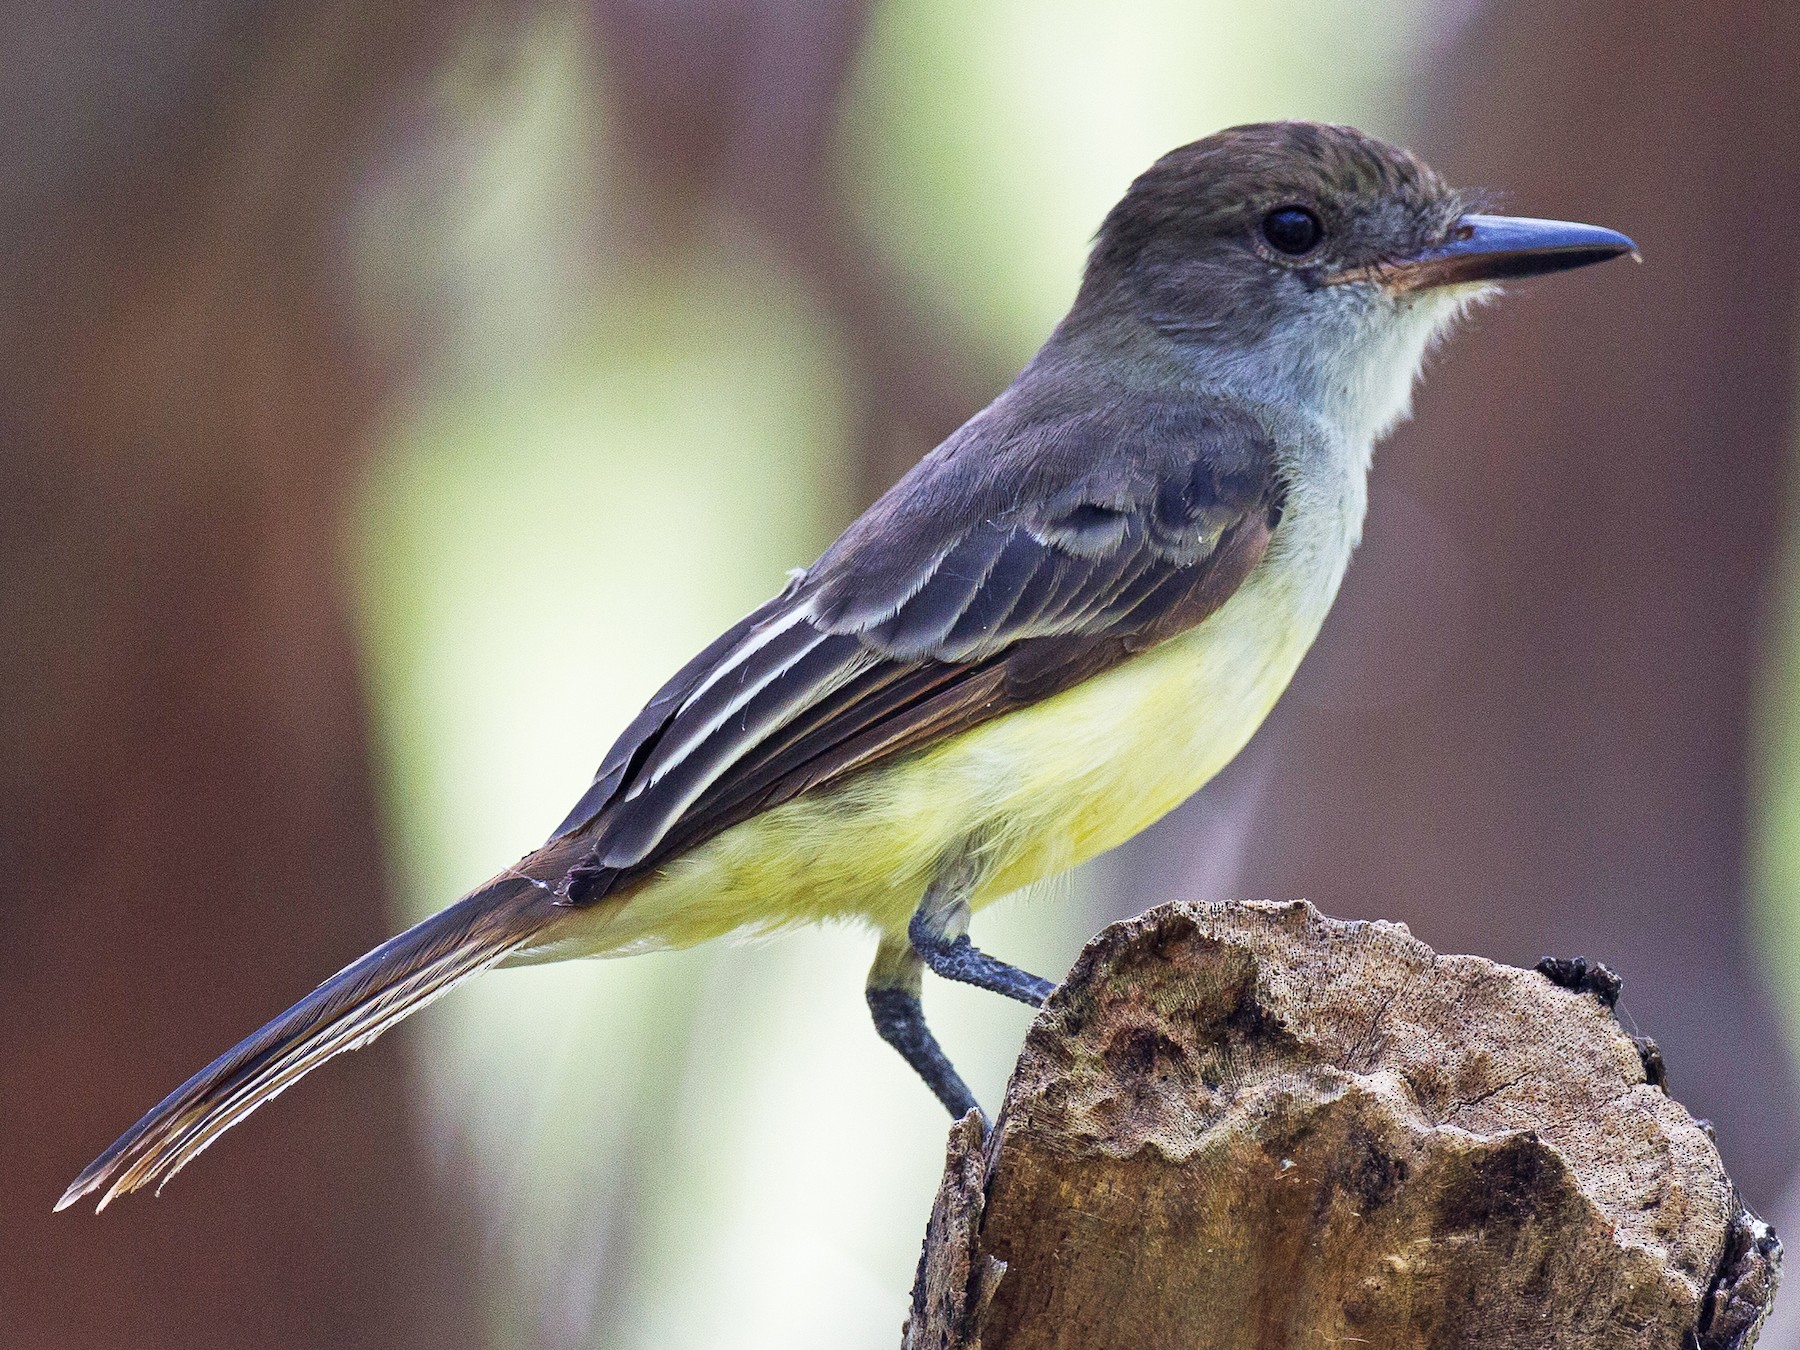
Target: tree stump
1247	1125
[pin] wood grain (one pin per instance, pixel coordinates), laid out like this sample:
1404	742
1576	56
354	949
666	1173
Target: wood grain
1248	1125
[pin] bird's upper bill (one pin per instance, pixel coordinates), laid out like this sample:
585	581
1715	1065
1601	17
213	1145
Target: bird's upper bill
1485	249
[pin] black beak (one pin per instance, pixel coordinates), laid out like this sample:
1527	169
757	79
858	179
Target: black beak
1505	248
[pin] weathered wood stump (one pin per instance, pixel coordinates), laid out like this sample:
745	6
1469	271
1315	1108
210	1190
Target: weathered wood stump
1247	1125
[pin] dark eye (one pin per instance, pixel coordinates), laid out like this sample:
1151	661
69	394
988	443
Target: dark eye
1292	230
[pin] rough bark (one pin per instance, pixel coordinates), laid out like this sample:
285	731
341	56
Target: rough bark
1247	1125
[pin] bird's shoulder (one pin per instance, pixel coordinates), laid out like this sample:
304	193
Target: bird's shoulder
1079	474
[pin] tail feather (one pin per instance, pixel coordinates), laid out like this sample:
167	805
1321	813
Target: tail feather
348	1011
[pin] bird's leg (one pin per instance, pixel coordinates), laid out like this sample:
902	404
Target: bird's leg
939	933
893	994
938	937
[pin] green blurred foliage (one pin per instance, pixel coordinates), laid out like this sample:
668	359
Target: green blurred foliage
1775	845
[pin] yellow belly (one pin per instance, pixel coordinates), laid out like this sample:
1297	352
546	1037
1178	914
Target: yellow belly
1041	789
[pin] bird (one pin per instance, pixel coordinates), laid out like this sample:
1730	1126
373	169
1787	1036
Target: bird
1054	629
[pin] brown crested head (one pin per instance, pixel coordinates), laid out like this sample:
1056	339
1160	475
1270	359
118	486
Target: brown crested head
1213	235
1301	262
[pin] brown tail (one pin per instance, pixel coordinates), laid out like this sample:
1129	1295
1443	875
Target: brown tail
348	1011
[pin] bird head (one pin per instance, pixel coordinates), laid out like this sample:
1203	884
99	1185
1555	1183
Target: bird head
1301	262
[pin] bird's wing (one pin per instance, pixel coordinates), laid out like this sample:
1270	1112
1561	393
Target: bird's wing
1025	555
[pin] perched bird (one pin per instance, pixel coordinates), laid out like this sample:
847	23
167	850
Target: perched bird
1061	623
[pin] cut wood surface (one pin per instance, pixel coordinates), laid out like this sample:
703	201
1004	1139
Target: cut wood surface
1247	1125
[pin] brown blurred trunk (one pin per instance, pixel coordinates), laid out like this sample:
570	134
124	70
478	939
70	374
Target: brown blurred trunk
1528	723
189	839
735	103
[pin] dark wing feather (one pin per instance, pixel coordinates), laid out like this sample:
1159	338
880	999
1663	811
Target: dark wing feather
634	742
1014	562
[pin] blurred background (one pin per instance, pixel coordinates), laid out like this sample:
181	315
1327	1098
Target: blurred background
391	395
